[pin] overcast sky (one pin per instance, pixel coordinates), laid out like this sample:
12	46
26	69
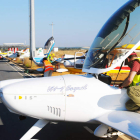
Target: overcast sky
76	22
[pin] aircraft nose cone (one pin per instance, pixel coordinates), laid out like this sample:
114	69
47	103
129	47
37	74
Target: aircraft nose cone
26	97
3	99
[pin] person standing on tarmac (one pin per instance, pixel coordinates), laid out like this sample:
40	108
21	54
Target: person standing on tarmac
48	68
133	81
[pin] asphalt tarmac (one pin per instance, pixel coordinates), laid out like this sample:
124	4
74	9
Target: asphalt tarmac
11	128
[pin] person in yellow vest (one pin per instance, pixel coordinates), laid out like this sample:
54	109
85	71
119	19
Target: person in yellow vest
48	68
133	81
51	57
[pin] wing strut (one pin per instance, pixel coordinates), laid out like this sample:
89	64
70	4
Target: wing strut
34	129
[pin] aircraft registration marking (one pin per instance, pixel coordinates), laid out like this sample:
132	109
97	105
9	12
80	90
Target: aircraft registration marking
54	88
68	88
74	89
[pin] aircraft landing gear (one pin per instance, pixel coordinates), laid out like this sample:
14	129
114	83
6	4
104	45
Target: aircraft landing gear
105	132
112	138
34	129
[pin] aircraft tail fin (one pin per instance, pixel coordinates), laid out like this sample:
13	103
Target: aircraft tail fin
49	45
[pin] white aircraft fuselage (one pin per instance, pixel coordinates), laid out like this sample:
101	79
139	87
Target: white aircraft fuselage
62	98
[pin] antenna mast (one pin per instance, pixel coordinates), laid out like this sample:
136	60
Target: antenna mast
52	28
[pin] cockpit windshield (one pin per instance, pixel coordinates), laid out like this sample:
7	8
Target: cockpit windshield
122	29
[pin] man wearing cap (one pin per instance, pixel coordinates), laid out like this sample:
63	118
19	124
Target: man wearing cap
133	81
133	62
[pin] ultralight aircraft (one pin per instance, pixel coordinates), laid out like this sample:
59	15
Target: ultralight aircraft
84	98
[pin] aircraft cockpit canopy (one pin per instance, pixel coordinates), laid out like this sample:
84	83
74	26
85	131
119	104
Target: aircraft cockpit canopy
110	47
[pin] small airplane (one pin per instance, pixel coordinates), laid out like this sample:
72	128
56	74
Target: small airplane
21	54
8	53
26	53
1	57
38	60
45	58
74	63
40	52
124	68
85	98
3	54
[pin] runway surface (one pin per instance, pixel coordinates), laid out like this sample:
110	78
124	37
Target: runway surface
11	128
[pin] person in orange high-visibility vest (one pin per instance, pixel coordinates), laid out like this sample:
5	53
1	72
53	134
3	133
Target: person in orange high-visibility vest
48	68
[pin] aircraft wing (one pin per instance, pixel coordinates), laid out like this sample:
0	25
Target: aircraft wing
124	121
38	60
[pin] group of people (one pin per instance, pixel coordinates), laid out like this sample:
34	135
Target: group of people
133	83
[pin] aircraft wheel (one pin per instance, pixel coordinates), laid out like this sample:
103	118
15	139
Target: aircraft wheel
111	138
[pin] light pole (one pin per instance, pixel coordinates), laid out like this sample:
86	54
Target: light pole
32	30
52	28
